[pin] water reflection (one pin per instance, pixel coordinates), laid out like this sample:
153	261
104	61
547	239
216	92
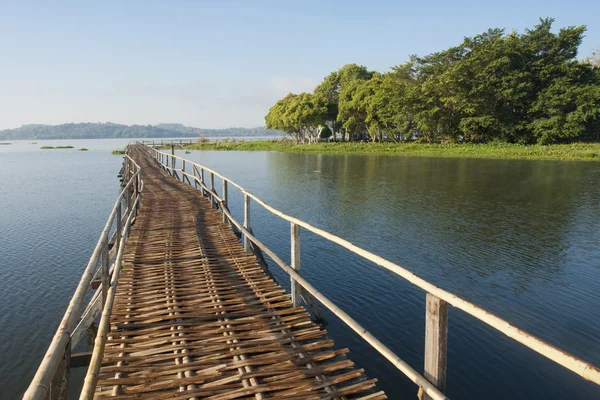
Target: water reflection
516	237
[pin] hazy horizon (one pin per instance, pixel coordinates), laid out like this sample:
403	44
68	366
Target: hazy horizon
223	64
119	123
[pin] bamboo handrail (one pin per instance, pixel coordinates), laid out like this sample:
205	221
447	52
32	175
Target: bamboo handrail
40	385
91	377
576	365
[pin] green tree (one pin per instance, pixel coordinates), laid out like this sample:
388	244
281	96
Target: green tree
517	87
337	89
302	116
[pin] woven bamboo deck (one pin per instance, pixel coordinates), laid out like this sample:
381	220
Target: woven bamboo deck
197	317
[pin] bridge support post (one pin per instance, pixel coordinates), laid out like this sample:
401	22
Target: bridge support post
247	247
436	342
104	271
213	203
119	228
60	383
136	192
184	177
295	255
224	200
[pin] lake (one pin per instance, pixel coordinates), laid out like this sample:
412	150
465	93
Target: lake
519	238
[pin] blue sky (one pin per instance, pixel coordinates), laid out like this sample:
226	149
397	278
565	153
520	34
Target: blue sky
217	64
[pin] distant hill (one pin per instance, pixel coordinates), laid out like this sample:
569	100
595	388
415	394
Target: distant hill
109	130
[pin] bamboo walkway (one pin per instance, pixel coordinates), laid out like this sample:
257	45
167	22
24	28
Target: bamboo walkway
197	317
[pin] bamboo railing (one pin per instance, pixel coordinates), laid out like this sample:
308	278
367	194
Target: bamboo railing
168	142
432	382
102	271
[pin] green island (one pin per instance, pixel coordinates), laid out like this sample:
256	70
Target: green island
56	147
118	152
495	95
82	149
573	151
4	144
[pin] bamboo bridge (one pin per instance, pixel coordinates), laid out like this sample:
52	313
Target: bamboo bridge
188	309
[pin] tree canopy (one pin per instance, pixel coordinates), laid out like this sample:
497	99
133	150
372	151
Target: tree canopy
302	116
517	87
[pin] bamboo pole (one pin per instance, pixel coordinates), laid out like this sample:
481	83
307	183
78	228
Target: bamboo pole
60	384
119	227
212	189
91	378
246	222
436	342
225	201
295	257
104	268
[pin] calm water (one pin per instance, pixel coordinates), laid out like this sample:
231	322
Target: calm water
520	238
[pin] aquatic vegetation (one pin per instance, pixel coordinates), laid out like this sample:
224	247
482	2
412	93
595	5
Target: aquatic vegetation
82	149
118	152
573	151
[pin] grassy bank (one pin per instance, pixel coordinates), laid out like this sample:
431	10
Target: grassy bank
576	151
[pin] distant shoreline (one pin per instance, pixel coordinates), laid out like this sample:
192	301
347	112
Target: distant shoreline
88	131
573	152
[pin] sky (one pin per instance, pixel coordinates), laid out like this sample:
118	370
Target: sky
218	64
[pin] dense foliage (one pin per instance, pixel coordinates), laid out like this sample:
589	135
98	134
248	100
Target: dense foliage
516	87
110	130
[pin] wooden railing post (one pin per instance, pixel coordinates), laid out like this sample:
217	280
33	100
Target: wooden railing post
104	272
195	172
127	202
212	189
184	177
202	181
172	159
225	205
60	383
136	192
246	221
436	342
125	171
119	228
295	254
